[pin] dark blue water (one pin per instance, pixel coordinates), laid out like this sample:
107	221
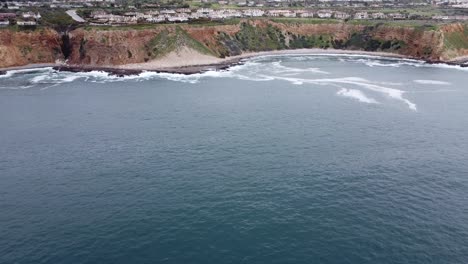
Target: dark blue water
282	160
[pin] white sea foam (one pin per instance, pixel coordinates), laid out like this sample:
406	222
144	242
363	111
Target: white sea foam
371	63
251	71
11	73
39	78
446	66
397	62
360	82
434	91
257	78
389	62
391	83
8	74
432	82
70	78
54	77
260	69
356	94
391	92
278	67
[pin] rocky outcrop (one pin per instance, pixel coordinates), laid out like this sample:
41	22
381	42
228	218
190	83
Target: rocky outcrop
118	46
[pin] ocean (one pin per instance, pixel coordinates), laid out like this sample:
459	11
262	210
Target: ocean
283	159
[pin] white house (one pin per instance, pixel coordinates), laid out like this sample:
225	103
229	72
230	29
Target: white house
361	15
31	15
397	16
324	13
341	15
253	12
378	15
306	14
26	23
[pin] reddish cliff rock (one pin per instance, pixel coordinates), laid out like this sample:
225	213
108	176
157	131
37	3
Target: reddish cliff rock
117	46
25	47
110	47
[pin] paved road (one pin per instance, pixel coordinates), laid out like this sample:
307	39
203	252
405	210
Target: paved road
75	16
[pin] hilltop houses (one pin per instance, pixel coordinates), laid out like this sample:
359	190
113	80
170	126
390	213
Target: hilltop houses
279	13
7	15
4	23
186	14
341	15
397	16
305	13
361	15
26	23
31	15
378	15
254	12
324	14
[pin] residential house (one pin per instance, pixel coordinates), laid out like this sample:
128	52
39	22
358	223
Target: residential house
361	15
167	12
324	13
397	16
341	15
290	14
5	16
305	13
279	13
26	23
253	13
378	15
4	23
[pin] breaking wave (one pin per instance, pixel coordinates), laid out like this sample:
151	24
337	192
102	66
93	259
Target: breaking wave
12	73
432	82
356	94
389	62
354	81
257	69
279	68
262	69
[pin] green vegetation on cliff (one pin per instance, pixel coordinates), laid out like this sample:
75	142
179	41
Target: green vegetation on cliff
457	39
264	35
252	38
168	41
256	38
365	41
268	37
312	41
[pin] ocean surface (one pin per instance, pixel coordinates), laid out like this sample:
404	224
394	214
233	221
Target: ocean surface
284	159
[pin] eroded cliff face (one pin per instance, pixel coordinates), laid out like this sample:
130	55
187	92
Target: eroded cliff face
109	47
117	46
26	47
455	40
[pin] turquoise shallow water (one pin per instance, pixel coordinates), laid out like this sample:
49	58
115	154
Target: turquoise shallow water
303	159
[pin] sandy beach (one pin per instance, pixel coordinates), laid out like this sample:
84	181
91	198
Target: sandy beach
189	61
189	58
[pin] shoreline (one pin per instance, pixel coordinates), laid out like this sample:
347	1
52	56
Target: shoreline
216	64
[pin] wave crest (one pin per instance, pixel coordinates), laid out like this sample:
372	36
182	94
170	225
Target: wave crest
356	94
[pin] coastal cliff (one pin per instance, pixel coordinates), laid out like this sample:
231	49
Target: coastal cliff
110	47
25	47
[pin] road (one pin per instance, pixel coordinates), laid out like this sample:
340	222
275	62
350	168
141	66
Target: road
75	16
